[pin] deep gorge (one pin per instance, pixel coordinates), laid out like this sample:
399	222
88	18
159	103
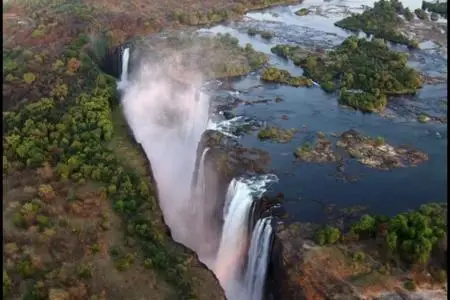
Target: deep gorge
218	220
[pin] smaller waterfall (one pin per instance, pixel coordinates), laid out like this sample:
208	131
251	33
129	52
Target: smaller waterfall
125	59
258	255
124	74
233	242
199	181
231	191
200	187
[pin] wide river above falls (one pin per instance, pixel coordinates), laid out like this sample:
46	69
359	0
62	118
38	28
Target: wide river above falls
306	184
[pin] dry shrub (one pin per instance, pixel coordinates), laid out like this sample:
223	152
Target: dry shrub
73	65
45	172
46	192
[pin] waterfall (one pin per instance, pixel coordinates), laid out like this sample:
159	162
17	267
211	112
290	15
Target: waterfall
199	194
231	191
199	181
122	84
169	122
258	256
125	59
233	243
234	240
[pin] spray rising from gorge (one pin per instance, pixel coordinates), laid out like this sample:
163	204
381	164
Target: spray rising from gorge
168	120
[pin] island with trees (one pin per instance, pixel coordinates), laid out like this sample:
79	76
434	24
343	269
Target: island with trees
439	7
365	72
381	21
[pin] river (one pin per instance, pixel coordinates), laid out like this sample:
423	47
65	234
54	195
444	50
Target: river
306	184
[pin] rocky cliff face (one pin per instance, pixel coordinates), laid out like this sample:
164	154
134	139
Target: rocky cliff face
292	273
299	269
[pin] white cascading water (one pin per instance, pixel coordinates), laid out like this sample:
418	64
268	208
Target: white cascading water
200	183
258	256
233	243
168	122
124	74
231	191
126	57
234	240
199	208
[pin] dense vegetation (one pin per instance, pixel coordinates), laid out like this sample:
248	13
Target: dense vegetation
295	53
421	14
365	71
439	8
272	74
267	35
381	21
74	142
69	132
302	12
276	134
413	237
30	75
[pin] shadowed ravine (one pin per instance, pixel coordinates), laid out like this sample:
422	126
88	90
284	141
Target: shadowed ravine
168	121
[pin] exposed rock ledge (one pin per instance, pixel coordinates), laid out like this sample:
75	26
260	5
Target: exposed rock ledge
299	269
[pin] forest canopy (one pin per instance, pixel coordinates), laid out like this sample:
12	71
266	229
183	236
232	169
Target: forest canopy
381	21
365	72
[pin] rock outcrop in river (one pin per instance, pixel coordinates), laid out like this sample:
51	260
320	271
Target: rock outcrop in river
375	153
371	152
